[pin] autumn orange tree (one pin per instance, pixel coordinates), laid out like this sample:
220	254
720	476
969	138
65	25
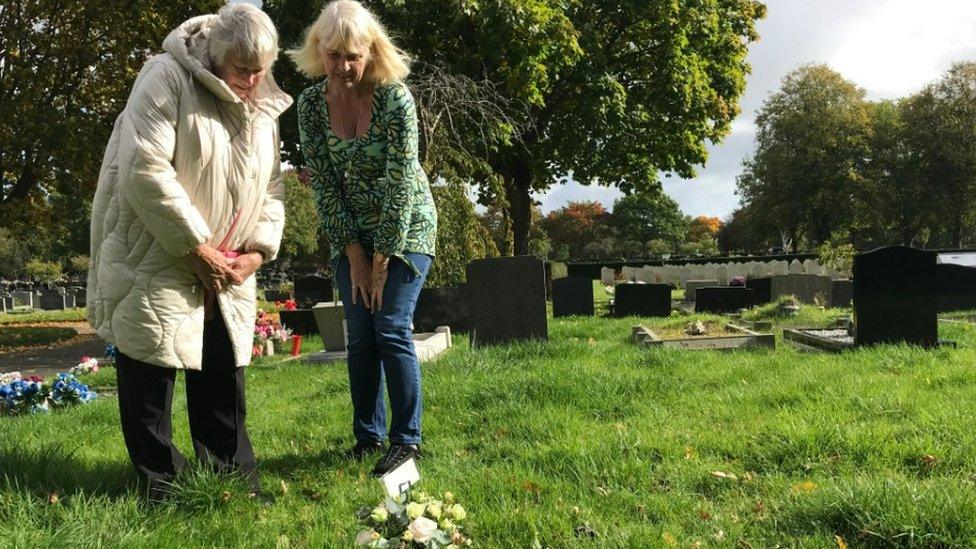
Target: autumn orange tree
574	226
703	227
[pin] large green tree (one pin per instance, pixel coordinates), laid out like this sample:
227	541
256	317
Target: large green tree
812	136
66	68
611	92
648	216
941	133
896	204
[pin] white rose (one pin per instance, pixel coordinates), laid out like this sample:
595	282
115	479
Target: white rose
422	528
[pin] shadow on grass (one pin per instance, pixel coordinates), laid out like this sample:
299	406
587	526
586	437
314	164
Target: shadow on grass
55	469
333	455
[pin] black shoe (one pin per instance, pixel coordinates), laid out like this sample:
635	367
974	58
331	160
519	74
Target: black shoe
363	449
395	456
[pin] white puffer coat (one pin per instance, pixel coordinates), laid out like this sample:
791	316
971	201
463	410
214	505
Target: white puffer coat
185	156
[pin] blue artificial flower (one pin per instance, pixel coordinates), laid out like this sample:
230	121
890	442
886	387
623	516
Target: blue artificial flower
111	351
6	390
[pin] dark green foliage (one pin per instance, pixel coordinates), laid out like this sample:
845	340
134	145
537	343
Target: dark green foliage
461	238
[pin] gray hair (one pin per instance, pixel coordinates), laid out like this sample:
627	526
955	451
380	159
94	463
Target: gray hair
244	32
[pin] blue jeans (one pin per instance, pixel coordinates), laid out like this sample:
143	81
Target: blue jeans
381	346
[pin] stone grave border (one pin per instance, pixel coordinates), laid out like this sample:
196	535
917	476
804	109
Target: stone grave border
746	338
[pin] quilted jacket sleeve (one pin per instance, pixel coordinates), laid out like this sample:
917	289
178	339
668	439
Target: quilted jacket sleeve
147	179
266	237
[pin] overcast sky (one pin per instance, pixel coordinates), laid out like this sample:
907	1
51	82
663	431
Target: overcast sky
891	48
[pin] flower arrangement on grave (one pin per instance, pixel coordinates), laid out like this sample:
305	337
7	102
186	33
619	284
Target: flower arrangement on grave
88	365
287	305
267	328
737	281
414	519
34	395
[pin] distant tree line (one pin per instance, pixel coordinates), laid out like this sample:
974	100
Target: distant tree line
830	166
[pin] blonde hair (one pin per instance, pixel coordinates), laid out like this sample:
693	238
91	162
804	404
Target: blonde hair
342	25
244	32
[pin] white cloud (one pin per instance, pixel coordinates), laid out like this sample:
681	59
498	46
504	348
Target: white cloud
902	45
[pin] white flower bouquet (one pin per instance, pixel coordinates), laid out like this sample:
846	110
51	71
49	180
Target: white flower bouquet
414	520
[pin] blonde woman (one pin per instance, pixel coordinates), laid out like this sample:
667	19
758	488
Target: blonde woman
358	130
189	204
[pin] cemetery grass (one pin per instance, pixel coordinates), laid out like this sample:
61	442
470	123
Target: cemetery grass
584	441
26	316
23	336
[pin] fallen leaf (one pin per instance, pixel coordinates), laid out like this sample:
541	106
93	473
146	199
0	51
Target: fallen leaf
53	498
284	487
704	515
929	460
760	507
841	544
805	486
591	341
669	539
689	452
723	474
225	496
530	486
602	491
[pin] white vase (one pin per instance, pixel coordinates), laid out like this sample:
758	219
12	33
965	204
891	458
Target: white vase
268	348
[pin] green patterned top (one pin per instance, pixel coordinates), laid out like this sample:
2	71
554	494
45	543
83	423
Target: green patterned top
370	189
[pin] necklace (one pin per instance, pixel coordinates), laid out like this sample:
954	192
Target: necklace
342	122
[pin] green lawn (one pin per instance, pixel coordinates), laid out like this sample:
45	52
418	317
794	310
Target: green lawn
22	336
24	315
585	440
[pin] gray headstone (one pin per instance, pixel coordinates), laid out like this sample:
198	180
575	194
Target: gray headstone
23	299
328	318
808	289
507	300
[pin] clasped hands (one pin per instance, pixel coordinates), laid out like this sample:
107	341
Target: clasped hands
217	271
368	278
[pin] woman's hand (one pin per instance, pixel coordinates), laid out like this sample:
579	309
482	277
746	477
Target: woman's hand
212	268
380	272
360	274
247	264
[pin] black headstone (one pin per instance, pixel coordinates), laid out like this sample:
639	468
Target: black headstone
312	289
642	300
841	293
299	321
956	287
763	287
441	307
572	296
275	295
507	300
895	299
724	299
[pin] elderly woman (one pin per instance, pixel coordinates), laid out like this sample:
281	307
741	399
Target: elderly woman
188	206
358	131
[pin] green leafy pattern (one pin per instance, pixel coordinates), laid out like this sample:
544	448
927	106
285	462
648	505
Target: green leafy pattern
370	189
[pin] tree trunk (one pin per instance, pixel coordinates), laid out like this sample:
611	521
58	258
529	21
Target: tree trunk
517	175
520	210
957	231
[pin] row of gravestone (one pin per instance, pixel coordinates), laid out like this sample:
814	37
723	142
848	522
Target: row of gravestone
503	300
810	289
55	299
678	275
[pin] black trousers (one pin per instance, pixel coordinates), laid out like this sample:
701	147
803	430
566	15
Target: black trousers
215	405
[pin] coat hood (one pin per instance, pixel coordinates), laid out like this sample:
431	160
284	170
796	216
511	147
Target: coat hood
189	45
